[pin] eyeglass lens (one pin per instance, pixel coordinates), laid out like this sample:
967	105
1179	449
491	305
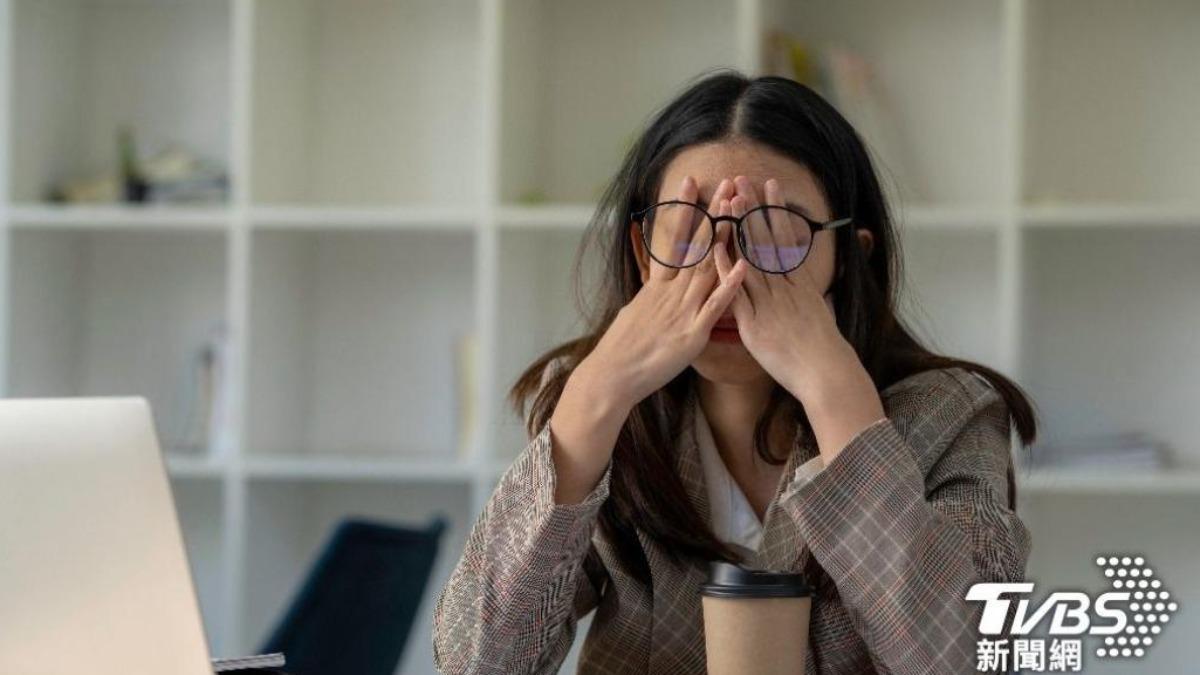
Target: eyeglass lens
774	239
678	235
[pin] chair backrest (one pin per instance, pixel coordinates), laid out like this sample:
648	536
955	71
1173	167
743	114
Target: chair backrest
356	608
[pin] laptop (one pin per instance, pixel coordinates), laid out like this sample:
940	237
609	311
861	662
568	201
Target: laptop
94	576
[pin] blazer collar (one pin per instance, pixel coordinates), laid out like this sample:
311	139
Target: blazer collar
780	543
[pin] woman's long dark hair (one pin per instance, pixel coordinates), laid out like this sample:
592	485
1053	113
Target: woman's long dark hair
795	121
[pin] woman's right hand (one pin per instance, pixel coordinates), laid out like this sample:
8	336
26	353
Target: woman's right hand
667	323
652	339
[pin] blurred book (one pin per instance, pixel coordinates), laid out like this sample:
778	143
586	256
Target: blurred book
200	405
1122	450
465	366
850	83
178	175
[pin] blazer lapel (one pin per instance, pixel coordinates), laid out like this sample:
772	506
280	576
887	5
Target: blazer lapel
677	618
688	463
782	547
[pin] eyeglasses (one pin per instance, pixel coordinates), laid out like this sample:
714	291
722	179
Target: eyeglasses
774	239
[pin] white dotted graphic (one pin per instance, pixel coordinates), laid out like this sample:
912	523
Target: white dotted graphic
1150	604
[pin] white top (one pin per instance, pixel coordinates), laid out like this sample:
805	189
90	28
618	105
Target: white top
734	520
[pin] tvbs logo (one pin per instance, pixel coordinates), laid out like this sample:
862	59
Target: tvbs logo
1129	617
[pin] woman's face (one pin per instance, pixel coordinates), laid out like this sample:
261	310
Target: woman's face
710	163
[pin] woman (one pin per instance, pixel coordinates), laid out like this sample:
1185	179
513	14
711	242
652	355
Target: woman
745	392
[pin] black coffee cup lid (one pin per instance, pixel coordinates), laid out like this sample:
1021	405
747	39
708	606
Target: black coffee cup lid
729	580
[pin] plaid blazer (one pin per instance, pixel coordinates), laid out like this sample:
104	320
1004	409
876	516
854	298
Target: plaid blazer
892	533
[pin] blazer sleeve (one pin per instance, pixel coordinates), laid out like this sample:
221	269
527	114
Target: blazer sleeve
528	573
904	524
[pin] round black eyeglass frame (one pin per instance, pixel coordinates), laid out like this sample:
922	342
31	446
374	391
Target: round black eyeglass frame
737	228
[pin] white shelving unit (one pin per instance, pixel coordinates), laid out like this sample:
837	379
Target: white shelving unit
405	173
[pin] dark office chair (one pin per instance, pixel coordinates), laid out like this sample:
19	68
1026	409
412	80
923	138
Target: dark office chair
355	610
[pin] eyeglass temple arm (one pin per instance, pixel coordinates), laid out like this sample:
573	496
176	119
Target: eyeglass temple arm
835	223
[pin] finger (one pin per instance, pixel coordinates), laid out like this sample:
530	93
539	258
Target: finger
776	238
707	275
720	251
669	236
761	229
706	268
773	193
758	238
742	308
722	296
787	231
745	188
725	190
756	282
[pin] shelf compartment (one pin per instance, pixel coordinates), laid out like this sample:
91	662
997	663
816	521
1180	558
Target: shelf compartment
1110	115
99	313
950	291
81	68
568	115
538	311
292	521
938	154
354	342
366	102
1098	356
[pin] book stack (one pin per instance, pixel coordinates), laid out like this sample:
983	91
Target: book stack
1126	451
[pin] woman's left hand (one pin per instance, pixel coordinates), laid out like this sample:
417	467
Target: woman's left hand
790	328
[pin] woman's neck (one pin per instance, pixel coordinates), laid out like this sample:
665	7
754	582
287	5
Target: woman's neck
732	411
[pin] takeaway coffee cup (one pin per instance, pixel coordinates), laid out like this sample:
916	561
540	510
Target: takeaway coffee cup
755	621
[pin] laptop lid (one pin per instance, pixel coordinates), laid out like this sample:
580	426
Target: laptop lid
93	572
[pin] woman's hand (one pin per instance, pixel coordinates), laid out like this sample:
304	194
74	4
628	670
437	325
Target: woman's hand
667	324
651	340
789	327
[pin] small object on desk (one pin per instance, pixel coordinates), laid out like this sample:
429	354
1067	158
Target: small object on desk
134	184
249	664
